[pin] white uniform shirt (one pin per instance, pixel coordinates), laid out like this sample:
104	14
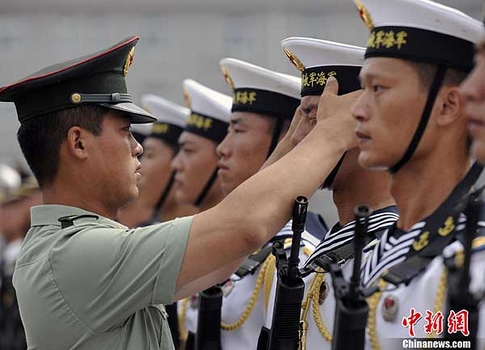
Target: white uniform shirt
426	291
236	301
422	294
320	320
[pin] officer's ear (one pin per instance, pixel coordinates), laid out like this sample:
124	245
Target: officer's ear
451	105
75	142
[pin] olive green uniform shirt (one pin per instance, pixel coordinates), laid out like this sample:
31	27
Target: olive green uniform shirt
97	284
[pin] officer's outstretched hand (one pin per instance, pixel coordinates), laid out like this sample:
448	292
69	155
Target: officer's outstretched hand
334	112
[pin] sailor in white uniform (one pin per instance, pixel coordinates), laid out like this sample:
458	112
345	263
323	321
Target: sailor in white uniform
196	181
351	184
264	103
411	121
262	107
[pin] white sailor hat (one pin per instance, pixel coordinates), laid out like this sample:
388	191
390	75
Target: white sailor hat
260	90
171	118
420	30
9	178
24	188
320	59
209	111
141	131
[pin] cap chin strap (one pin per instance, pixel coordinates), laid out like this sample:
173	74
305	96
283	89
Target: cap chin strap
329	180
276	136
164	195
206	189
113	98
433	92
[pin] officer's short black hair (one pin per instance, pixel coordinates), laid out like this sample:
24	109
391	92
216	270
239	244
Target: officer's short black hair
453	77
40	138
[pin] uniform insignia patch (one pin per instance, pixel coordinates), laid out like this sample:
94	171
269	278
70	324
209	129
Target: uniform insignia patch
323	292
194	301
227	288
390	307
421	242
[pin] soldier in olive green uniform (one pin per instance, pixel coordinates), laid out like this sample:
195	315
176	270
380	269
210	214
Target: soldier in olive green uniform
85	281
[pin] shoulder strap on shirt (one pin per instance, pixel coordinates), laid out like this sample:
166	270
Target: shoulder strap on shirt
67	221
437	233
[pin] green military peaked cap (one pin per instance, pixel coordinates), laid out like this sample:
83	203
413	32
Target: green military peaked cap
98	78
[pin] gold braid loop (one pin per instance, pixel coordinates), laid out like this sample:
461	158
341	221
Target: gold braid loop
182	317
268	278
270	268
266	275
313	296
307	251
250	305
373	301
315	291
439	302
305	306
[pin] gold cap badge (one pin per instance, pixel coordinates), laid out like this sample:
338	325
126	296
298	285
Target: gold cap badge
364	14
188	102
228	78
128	61
294	60
76	98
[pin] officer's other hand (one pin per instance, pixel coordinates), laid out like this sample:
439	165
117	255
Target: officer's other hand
303	125
295	120
335	112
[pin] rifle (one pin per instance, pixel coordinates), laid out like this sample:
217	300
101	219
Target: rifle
459	295
351	309
208	335
284	332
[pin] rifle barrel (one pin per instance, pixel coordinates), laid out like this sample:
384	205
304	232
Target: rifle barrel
298	226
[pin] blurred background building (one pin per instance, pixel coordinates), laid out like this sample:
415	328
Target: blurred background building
179	39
